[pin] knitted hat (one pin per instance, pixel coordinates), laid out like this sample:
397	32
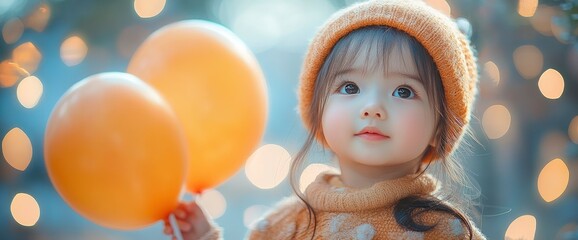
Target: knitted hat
439	35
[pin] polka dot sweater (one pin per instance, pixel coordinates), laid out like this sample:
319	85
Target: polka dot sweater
347	213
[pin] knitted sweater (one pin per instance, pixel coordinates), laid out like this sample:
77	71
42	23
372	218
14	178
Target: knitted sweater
347	213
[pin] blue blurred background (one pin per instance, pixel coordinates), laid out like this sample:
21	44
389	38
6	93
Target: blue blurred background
526	115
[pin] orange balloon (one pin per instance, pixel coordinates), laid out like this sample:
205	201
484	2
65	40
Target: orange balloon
217	89
115	152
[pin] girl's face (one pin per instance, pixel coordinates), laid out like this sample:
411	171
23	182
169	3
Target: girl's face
378	118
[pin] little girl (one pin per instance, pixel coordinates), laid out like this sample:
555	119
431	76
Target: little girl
387	86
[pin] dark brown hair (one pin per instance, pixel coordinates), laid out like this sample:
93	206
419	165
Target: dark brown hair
381	41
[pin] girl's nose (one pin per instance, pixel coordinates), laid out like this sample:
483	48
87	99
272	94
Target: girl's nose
373	110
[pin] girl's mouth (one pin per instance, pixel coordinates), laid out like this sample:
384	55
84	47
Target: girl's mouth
371	134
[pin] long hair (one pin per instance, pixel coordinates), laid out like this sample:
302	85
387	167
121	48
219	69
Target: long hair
381	41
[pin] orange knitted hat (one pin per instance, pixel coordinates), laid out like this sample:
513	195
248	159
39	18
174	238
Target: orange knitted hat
440	36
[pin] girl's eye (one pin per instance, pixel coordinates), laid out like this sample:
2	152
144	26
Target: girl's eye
349	88
403	92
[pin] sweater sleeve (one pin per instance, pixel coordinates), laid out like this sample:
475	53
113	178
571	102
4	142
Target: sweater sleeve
450	227
280	223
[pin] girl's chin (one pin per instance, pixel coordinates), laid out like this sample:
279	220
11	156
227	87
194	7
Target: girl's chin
380	162
376	162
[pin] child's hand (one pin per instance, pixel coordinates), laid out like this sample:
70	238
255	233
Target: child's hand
191	221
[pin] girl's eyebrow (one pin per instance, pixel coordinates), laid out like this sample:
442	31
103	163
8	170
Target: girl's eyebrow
406	75
347	71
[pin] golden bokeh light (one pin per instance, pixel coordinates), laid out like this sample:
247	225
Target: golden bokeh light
253	214
29	91
311	172
130	39
492	71
27	56
10	73
440	5
551	84
12	30
214	202
25	209
268	166
573	130
527	8
17	149
523	228
496	121
541	21
38	19
529	61
148	8
553	180
73	50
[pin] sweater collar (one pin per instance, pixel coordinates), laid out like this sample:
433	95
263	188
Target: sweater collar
327	192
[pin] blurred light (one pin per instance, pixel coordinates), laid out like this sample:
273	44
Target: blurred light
10	73
268	166
130	39
541	21
527	8
528	60
27	56
553	180
25	209
280	22
148	8
310	173
38	19
17	149
553	145
440	5
269	31
493	71
12	30
496	121
254	213
551	84
73	50
573	130
29	91
214	202
523	228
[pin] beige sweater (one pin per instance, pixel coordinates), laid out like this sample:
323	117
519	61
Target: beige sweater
346	213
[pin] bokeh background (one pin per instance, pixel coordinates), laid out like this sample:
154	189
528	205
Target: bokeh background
526	116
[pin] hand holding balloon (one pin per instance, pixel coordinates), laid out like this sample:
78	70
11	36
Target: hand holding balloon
192	222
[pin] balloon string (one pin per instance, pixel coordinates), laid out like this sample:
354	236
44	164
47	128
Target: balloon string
175	227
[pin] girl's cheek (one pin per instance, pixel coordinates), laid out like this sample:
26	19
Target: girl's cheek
336	111
333	118
414	123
